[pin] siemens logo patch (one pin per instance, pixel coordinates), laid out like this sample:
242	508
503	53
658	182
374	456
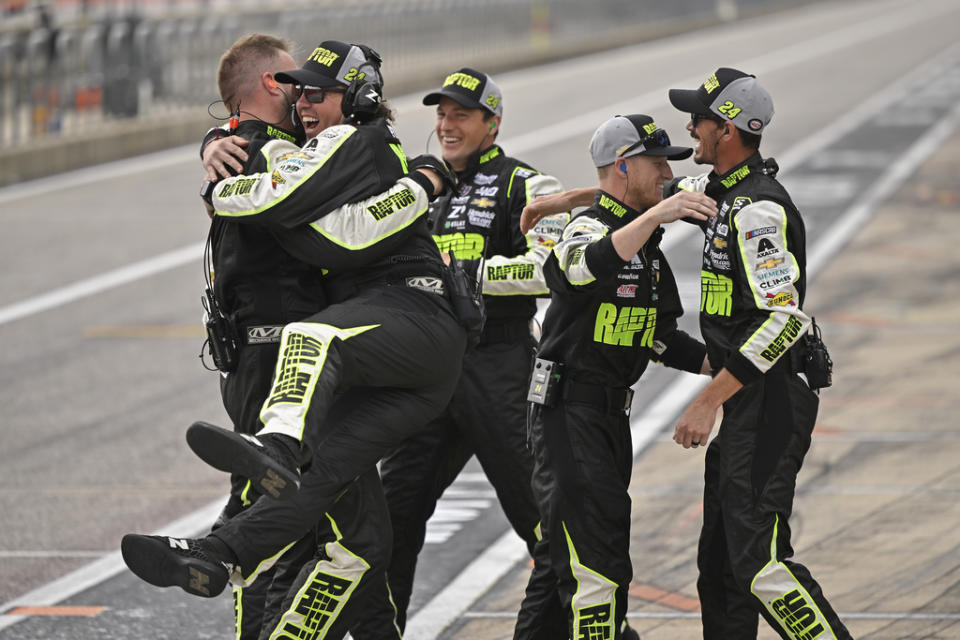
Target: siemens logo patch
391	204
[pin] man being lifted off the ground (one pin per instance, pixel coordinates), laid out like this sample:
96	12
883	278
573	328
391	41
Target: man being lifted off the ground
388	347
614	308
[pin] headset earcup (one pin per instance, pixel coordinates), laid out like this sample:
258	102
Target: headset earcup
361	99
346	105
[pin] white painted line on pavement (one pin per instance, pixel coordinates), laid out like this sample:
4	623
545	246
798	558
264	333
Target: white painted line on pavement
101	283
475	580
110	565
901	169
106	171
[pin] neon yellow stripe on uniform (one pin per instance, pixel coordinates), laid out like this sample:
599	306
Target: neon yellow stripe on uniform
303	352
266	176
787	600
593	601
397	149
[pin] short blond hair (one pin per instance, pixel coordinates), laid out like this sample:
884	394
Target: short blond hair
243	63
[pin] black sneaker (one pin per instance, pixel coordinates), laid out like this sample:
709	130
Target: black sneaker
270	461
175	562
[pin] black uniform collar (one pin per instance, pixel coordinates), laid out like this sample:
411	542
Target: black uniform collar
720	184
250	127
616	214
477	159
613	213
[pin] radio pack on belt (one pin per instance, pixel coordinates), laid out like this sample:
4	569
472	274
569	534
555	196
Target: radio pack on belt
466	298
545	382
817	364
221	334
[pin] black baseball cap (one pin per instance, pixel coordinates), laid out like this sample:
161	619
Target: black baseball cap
470	88
636	134
731	95
332	64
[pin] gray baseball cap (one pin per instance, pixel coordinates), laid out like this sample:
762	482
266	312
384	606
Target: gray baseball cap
731	95
625	136
470	88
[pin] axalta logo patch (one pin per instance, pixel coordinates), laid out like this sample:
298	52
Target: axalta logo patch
766	248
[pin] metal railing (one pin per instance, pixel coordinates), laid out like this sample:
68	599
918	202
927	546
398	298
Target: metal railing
60	80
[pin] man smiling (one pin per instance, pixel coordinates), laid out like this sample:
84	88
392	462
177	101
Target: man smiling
753	284
479	225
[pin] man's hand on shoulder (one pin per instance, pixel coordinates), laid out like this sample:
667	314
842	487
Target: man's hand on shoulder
544	206
437	170
683	204
224	157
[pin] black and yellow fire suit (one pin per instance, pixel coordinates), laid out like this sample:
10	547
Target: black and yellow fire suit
387	349
487	414
607	319
753	283
260	288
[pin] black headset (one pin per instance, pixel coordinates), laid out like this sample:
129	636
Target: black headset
362	98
